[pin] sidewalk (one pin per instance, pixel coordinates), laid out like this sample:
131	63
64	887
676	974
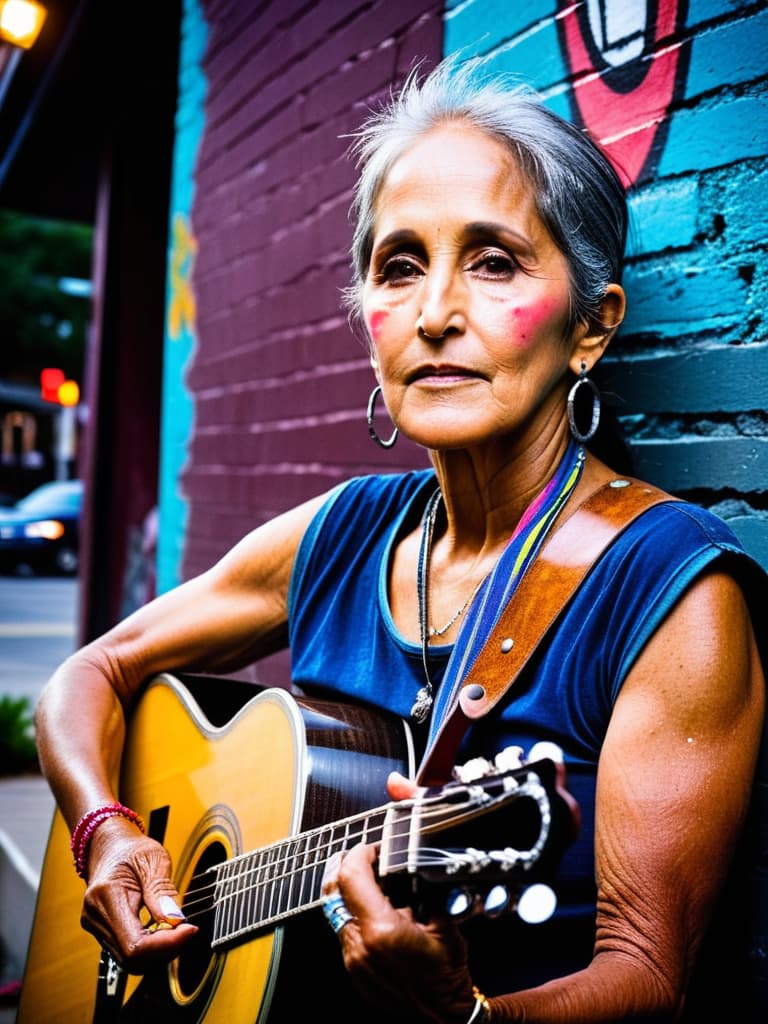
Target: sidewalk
26	811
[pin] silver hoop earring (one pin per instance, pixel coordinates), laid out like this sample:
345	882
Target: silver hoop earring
371	429
571	406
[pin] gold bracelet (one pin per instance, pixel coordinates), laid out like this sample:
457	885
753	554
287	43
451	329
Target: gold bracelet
482	1011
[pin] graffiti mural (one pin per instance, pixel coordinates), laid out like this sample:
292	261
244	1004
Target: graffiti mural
628	65
177	426
182	308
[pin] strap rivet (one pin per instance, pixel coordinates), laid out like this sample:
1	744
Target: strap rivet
475	691
507	644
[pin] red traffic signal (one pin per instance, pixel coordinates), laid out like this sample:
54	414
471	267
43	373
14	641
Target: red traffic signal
54	387
50	382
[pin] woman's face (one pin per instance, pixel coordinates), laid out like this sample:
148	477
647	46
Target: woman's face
460	251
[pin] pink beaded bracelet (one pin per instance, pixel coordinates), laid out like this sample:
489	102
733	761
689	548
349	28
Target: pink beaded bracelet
90	821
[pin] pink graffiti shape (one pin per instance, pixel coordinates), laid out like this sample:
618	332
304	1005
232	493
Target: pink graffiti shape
625	123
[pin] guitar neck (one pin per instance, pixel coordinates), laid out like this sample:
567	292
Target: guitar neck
260	889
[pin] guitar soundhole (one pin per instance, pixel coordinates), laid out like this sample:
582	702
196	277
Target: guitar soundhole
193	967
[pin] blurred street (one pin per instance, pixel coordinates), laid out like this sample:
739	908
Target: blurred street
38	617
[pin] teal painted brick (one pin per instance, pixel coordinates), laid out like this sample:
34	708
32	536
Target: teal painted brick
720	379
537	57
482	25
715	135
714	464
672	299
663	215
729	55
742	200
752	531
700	11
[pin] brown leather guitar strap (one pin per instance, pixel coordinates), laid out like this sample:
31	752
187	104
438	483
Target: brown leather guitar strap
550	581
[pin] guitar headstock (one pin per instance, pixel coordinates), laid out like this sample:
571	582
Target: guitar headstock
489	841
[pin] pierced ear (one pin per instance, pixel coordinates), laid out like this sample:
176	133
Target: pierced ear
590	346
374	366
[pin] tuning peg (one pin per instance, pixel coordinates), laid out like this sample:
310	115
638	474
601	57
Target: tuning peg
497	900
508	759
536	903
545	751
472	770
460	903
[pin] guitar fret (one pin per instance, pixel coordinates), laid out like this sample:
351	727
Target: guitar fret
257	884
312	877
295	870
232	896
284	888
270	874
263	887
245	893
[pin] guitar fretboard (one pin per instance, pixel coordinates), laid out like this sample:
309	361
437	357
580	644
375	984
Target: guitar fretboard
260	889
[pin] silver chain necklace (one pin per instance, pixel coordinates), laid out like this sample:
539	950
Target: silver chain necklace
425	697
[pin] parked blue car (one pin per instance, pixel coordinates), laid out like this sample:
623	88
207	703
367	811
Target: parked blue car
42	530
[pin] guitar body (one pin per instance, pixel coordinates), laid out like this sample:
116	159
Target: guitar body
210	792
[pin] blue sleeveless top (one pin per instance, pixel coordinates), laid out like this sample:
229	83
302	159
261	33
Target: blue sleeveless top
344	642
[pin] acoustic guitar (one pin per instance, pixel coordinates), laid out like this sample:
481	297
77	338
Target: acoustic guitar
251	806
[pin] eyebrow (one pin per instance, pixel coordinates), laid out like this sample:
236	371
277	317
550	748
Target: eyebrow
479	229
475	231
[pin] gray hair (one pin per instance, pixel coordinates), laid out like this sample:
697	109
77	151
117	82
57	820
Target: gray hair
578	194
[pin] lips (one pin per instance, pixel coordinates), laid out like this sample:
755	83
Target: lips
443	371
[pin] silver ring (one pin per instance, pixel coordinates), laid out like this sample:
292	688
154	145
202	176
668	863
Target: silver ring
336	913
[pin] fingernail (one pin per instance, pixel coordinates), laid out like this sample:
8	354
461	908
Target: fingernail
170	907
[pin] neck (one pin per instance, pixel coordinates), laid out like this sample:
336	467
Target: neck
485	498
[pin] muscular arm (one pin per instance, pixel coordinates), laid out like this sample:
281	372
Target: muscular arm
673	788
674	781
225	618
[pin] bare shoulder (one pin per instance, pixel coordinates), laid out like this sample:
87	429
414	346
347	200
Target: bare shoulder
701	672
228	616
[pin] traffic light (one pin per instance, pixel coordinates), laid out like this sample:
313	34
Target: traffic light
69	393
50	382
54	387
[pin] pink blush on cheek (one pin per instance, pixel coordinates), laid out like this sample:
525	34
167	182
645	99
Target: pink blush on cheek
375	322
526	321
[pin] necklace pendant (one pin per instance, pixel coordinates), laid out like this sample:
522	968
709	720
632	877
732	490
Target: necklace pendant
422	705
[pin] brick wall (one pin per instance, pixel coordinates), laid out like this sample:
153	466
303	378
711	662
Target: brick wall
279	385
680	104
276	383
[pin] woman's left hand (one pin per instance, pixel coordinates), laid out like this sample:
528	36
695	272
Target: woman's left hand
418	968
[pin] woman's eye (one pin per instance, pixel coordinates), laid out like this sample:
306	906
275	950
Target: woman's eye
398	269
494	264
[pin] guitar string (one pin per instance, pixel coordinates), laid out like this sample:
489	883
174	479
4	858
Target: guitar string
330	845
427	856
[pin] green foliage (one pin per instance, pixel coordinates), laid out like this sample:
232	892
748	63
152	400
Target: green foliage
18	752
40	325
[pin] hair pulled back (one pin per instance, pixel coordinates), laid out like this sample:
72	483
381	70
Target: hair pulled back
578	194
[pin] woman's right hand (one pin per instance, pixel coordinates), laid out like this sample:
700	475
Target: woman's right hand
131	905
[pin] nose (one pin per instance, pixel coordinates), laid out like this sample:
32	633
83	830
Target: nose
443	307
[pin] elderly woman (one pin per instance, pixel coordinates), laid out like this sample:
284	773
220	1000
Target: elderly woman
487	261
